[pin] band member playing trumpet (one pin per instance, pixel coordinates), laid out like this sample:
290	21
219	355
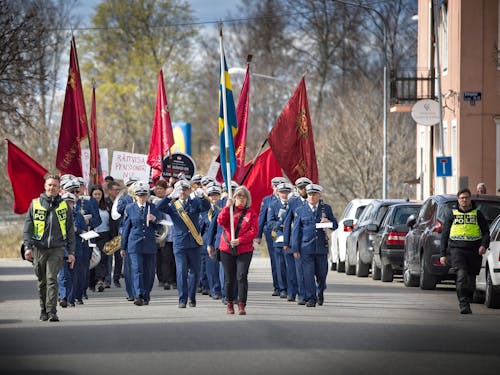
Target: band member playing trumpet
139	242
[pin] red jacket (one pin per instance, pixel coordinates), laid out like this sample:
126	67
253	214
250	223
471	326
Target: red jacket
248	231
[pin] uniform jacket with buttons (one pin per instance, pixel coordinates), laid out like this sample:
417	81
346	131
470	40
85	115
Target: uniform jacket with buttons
137	236
306	238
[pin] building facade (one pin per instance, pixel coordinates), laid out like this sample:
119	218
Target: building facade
468	33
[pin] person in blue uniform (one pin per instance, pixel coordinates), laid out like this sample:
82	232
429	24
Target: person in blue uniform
266	231
206	219
187	239
294	203
123	201
139	242
310	242
276	216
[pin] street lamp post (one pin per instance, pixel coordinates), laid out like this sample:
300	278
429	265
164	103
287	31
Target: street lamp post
386	64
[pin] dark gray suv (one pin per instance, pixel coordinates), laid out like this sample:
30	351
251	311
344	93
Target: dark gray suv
421	264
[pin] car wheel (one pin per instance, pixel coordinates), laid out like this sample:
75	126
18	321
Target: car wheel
387	273
349	269
362	269
492	294
340	265
427	281
375	270
410	280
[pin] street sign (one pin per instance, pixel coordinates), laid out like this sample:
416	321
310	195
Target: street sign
426	112
443	166
472	96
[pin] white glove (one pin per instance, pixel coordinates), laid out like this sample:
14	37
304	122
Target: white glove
199	192
174	194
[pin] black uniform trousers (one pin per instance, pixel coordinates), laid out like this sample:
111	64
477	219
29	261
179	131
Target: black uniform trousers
467	264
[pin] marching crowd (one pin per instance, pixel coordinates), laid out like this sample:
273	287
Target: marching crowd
179	232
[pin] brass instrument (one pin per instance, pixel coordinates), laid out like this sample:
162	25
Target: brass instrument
113	245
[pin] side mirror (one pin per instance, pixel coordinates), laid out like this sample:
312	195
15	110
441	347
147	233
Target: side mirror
372	228
410	222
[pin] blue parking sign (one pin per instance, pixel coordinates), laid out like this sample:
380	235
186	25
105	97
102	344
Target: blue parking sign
443	166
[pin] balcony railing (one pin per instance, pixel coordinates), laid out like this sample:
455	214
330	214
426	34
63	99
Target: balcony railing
410	85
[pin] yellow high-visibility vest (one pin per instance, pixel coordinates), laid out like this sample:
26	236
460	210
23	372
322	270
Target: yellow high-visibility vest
40	215
465	226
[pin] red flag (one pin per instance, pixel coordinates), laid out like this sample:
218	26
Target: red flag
259	178
162	136
95	160
74	125
240	139
292	140
26	177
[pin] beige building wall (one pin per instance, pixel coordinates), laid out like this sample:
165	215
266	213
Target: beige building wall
468	42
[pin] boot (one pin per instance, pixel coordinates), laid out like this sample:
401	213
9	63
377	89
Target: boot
230	308
241	308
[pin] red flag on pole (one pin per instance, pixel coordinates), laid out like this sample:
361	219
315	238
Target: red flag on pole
95	160
162	136
240	139
26	177
74	125
259	178
291	138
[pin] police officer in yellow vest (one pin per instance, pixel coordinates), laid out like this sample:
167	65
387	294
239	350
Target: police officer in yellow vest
48	229
465	238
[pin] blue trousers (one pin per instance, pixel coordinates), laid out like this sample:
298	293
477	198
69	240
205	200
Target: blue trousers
187	261
291	275
280	264
213	277
142	268
203	267
65	281
127	274
315	268
272	257
301	287
82	273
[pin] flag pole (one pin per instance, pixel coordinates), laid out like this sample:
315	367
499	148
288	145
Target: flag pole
226	130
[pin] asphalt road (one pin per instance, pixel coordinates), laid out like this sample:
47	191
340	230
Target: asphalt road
365	327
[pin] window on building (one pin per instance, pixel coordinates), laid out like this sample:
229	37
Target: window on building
443	35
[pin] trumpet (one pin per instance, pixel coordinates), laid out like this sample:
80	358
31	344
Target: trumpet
112	245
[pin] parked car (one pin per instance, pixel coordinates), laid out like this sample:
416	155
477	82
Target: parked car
359	250
488	280
421	265
388	245
352	211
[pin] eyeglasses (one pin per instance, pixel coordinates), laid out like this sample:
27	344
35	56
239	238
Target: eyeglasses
240	196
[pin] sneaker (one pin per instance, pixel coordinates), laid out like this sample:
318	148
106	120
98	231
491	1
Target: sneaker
53	317
44	316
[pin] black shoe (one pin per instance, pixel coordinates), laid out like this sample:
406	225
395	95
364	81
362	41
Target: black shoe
321	300
139	301
166	286
79	302
311	304
117	284
130	299
465	309
85	294
146	302
192	303
301	302
44	316
283	295
198	290
161	284
291	299
107	285
53	317
100	287
63	303
72	305
276	293
216	297
205	292
182	305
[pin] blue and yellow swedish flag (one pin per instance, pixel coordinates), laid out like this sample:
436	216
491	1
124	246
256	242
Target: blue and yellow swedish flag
227	151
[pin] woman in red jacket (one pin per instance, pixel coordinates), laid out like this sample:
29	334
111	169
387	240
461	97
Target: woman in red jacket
236	254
